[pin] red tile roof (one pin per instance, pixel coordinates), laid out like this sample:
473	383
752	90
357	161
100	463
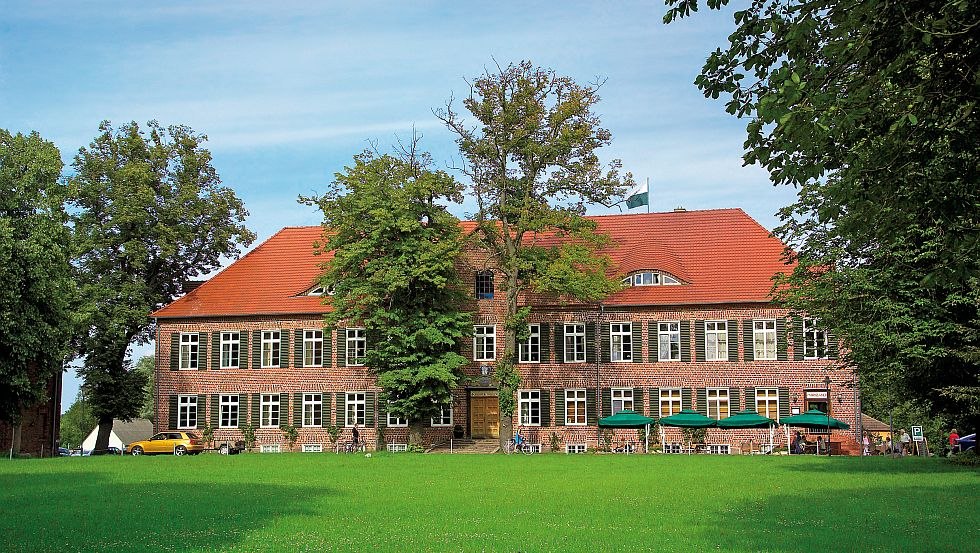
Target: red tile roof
722	256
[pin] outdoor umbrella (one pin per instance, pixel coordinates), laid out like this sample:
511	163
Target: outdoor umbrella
749	419
687	418
813	419
628	419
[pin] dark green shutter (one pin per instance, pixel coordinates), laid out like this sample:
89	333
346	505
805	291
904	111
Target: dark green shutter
703	401
341	409
833	347
242	409
686	341
173	412
783	402
636	328
655	403
750	399
781	339
798	338
545	408
215	350
590	344
733	341
545	343
243	349
604	340
341	347
284	349
325	404
590	407
215	410
369	398
202	402
257	349
254	407
298	409
560	345
653	341
328	348
685	398
202	352
748	339
560	407
733	405
175	351
298	348
638	400
283	410
606	402
699	340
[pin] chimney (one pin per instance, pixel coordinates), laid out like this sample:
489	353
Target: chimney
679	209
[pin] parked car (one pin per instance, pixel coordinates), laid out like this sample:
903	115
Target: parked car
968	442
176	442
63	452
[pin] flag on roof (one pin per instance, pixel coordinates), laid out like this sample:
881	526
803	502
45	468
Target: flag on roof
638	196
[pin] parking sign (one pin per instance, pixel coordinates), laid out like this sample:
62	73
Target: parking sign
917	434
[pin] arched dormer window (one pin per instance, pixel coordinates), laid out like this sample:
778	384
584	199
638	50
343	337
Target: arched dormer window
319	290
650	278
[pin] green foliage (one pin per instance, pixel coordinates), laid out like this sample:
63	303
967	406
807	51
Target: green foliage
291	434
695	435
965	459
248	435
869	109
393	271
77	422
207	434
555	441
37	290
145	367
333	432
150	213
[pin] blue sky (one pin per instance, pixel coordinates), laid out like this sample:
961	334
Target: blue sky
288	92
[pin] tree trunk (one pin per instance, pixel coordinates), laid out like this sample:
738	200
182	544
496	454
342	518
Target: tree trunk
415	433
102	440
15	437
510	354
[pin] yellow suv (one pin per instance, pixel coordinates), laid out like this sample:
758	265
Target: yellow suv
171	441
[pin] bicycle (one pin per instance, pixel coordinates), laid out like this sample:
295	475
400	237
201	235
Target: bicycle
524	447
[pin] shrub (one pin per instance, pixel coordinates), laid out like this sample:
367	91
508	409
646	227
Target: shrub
555	441
965	459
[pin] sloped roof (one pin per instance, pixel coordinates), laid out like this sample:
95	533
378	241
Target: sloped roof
872	424
722	256
134	430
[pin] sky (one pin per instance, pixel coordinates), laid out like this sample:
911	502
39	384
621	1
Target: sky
288	92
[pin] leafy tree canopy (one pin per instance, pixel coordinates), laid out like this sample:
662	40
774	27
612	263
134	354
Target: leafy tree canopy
77	422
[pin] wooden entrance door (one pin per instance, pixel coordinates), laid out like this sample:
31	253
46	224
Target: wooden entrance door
484	416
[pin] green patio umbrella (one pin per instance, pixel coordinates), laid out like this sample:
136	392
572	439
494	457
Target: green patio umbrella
814	419
688	418
746	419
628	419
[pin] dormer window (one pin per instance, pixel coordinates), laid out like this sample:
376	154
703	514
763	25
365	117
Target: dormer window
650	278
320	291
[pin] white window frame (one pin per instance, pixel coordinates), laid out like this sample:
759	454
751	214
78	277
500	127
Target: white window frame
355	408
231	349
444	419
312	347
270	448
669	334
764	334
670	398
621	342
484	342
813	336
771	406
190	351
269	410
716	340
623	397
530	351
186	412
271	349
714	399
312	410
576	448
576	397
312	448
356	346
484	285
229	409
575	337
529	402
395	421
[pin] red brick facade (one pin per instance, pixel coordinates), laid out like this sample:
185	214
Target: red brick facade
40	428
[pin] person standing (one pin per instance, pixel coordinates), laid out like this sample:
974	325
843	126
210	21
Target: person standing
867	445
357	437
906	442
954	439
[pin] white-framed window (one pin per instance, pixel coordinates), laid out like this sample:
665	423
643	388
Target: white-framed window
313	348
622	399
484	343
530	351
444	418
395	421
228	411
270	349
767	402
269	411
530	407
575	414
230	345
312	448
484	285
670	401
764	339
576	448
189	351
716	340
814	340
186	412
313	410
649	278
356	406
575	343
356	346
669	341
270	448
621	342
718	404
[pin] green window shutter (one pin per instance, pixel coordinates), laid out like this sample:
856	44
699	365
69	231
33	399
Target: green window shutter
341	347
685	341
545	343
369	409
284	348
637	329
382	414
215	350
560	348
833	346
242	409
750	398
733	341
560	407
781	339
606	401
341	409
215	410
545	408
702	401
328	348
257	349
733	405
590	344
325	404
173	412
283	409
243	350
298	409
202	403
653	341
783	402
685	398
748	339
604	340
699	340
590	407
255	407
798	338
298	348
175	351
655	403
638	400
202	352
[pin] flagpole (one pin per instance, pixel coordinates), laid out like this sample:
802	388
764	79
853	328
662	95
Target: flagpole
649	201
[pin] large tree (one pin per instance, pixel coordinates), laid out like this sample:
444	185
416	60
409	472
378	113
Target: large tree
869	108
36	289
532	163
150	215
393	270
77	422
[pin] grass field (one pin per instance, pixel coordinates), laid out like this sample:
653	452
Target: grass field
410	502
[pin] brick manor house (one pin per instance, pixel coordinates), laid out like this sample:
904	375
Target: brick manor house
694	327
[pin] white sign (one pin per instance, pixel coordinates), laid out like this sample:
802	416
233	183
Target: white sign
917	434
817	395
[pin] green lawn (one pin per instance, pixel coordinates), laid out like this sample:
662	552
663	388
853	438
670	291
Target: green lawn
410	502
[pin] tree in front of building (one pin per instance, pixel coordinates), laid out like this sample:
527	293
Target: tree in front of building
531	158
36	288
869	108
393	272
77	422
150	214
